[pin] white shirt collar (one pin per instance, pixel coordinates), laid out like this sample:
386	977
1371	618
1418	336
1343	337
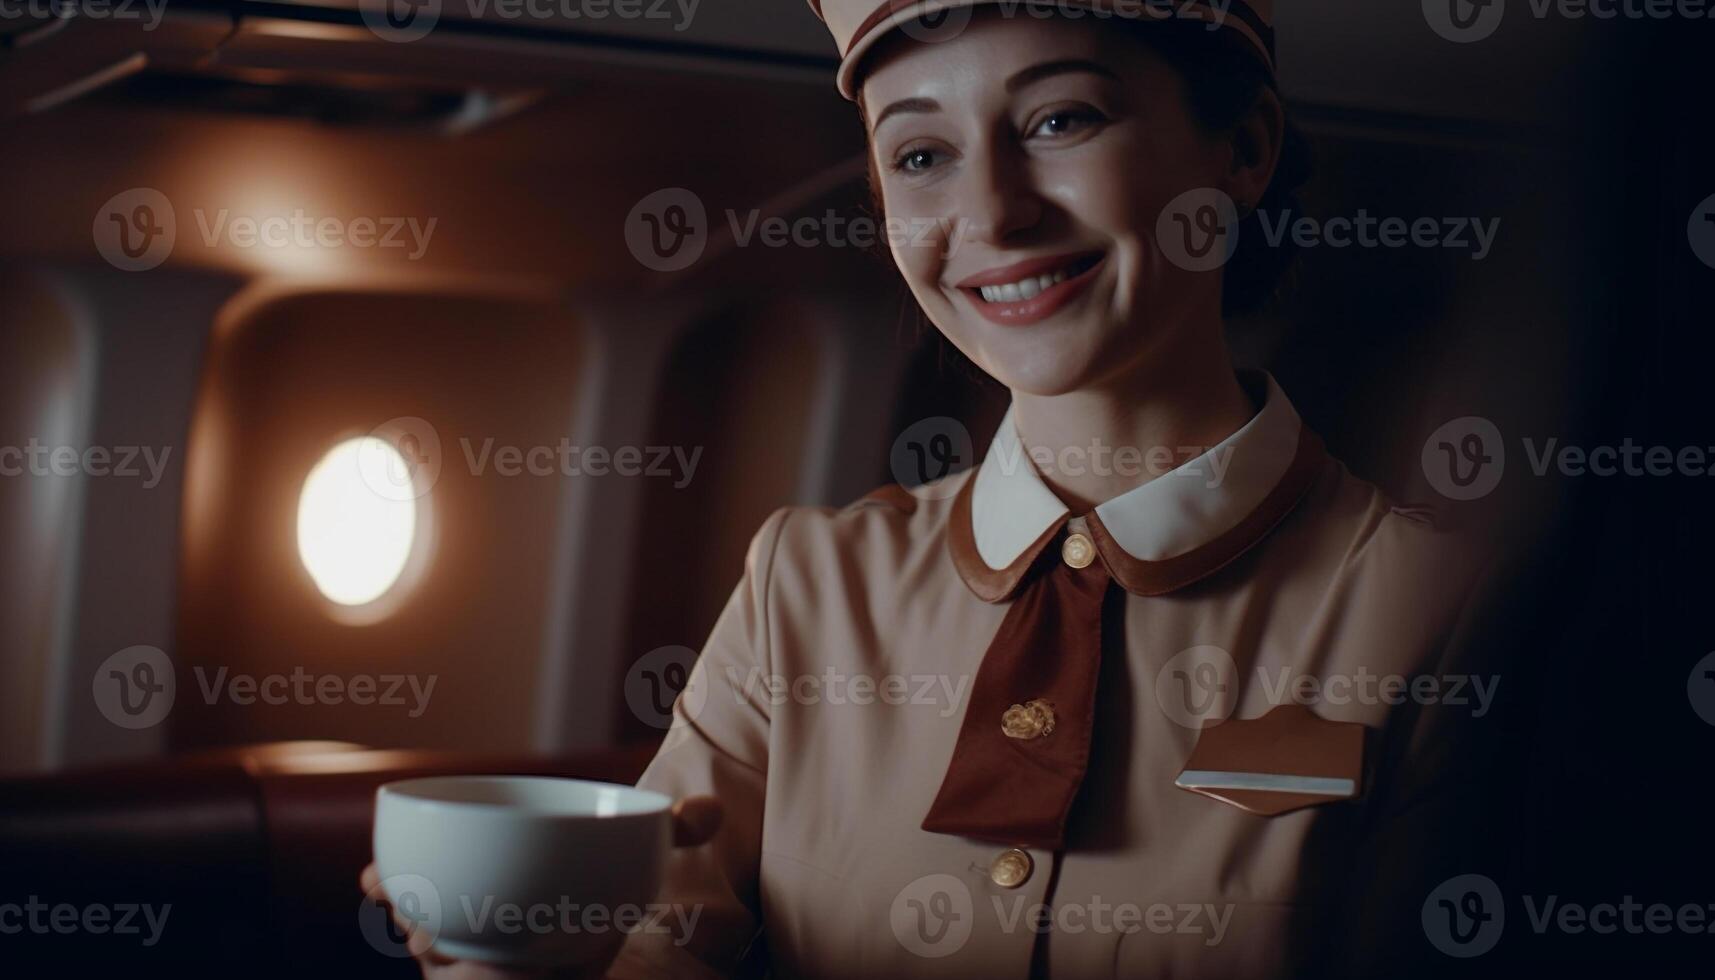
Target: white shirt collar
1170	515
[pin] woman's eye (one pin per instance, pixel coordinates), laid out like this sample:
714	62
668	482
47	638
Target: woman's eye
915	161
1065	122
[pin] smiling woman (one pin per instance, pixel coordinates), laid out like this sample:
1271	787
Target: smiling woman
1221	84
1119	645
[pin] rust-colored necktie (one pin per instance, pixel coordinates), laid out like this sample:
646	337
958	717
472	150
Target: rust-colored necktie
1024	745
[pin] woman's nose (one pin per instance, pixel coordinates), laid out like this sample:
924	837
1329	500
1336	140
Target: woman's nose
998	199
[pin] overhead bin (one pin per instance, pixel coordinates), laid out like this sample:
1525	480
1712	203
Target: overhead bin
1395	60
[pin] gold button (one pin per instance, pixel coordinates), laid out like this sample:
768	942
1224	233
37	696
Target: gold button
1032	719
1011	868
1078	551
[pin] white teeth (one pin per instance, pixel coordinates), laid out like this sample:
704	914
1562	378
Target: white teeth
1023	289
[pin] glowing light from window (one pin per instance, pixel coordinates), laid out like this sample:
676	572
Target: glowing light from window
355	528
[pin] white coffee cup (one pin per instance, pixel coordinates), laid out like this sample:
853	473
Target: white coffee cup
521	870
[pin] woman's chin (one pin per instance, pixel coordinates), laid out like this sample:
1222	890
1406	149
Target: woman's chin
1043	379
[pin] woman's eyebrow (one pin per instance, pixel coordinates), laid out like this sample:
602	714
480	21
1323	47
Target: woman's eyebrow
1036	73
905	105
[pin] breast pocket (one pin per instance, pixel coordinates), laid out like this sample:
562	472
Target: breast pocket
1285	760
1271	808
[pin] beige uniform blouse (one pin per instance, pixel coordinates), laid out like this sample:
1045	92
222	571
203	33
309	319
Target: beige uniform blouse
825	707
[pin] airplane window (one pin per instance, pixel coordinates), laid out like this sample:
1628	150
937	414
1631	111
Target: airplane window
358	521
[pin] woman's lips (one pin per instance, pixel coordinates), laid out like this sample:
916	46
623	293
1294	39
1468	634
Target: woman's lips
1032	290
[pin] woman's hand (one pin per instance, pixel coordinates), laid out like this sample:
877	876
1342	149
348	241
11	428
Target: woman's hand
695	820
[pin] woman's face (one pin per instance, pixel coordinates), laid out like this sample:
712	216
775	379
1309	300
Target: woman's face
1029	161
